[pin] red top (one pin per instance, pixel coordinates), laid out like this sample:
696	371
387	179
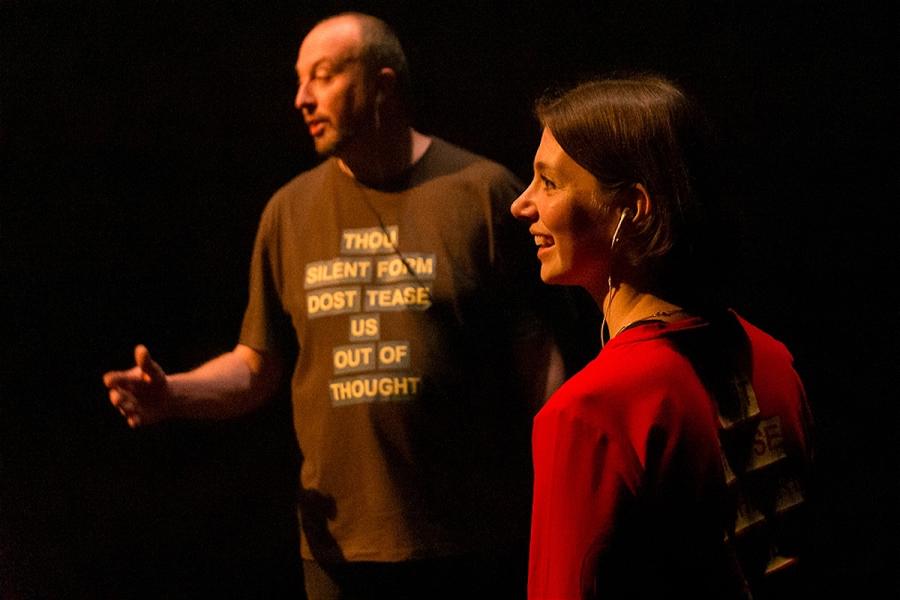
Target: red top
628	469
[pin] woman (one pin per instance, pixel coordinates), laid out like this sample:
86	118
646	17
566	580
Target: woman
674	463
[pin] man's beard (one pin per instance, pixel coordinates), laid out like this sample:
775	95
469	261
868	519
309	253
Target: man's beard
344	136
326	147
340	139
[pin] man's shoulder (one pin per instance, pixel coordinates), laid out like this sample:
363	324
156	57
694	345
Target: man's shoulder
295	195
448	158
310	180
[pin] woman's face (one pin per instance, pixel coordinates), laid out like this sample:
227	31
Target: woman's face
565	206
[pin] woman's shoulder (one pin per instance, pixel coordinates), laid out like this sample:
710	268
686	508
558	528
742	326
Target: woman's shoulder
637	382
621	380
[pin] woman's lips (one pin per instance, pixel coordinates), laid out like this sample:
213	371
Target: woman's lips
543	243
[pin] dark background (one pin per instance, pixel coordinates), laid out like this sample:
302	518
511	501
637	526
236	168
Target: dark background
141	141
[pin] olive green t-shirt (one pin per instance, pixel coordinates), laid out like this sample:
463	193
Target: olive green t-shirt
401	308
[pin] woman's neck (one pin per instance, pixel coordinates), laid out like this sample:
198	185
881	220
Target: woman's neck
623	306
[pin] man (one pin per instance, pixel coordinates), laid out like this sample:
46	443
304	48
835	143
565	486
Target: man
394	278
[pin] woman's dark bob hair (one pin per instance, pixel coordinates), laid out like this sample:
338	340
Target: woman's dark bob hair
644	129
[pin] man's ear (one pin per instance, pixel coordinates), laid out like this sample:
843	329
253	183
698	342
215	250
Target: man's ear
385	82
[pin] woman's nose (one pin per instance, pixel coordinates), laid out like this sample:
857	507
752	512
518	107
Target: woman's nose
523	208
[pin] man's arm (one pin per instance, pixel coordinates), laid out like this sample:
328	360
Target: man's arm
229	385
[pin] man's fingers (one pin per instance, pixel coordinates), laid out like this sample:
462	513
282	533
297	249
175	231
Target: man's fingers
112	378
146	364
136	391
126	378
120	399
127	406
123	403
122	379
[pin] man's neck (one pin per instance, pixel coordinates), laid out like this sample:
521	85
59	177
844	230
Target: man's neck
382	161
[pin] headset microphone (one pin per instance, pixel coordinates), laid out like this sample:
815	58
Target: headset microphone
615	237
625	212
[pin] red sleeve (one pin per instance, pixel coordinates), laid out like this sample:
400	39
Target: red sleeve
583	478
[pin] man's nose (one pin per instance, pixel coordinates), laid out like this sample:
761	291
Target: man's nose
304	99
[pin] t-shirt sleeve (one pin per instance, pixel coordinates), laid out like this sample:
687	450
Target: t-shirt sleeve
266	327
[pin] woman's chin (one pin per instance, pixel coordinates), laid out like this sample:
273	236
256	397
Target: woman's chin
552	277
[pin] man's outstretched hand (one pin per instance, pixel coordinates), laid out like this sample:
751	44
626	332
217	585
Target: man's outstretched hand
141	394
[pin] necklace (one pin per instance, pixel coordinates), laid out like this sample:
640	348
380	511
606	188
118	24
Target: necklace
656	315
406	262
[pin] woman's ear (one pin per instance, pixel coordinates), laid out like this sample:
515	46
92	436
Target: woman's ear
639	203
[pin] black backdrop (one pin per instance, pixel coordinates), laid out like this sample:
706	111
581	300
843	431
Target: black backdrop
141	141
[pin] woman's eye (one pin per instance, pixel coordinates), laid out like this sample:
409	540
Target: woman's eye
547	183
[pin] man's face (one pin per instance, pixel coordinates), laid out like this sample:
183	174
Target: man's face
332	92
